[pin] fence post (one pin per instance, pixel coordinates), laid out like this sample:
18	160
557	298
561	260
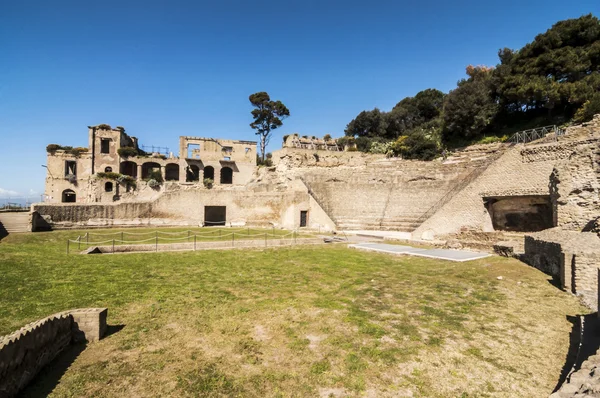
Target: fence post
87	238
194	242
188	239
232	238
67	246
79	242
113	251
121	236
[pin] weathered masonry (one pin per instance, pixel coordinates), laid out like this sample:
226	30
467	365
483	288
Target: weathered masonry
113	167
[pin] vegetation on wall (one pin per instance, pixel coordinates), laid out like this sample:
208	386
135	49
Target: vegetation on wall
69	150
104	126
121	178
552	80
268	160
127	152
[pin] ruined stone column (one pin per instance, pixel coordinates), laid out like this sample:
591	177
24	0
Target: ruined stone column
139	171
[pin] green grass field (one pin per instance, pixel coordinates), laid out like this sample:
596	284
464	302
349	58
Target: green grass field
294	321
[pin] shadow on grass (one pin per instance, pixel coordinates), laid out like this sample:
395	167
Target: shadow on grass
49	377
581	345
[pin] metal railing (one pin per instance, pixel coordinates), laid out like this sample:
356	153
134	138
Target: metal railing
155	149
525	136
158	240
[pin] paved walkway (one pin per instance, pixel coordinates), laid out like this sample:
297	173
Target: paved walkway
442	254
380	234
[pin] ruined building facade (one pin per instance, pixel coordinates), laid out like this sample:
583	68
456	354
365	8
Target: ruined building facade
113	167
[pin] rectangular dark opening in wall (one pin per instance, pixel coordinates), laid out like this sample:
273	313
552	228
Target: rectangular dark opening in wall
520	213
105	145
215	215
70	168
303	218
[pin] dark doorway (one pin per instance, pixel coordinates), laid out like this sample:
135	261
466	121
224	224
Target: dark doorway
209	172
69	196
520	213
226	175
215	215
172	172
303	218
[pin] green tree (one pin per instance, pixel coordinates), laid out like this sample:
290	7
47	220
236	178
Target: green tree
554	74
268	115
367	124
470	108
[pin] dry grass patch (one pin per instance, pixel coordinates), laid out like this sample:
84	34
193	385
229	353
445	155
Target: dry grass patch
325	321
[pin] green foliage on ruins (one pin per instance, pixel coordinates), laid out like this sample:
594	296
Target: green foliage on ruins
127	152
154	175
268	115
555	79
297	321
122	178
208	183
104	126
69	150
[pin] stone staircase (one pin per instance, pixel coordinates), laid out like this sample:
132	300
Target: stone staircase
13	221
395	194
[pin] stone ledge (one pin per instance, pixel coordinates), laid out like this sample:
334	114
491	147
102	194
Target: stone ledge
26	351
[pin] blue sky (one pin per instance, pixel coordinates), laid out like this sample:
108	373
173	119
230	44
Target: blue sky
165	68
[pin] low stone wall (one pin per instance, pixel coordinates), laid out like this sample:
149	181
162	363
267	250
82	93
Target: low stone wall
25	352
572	257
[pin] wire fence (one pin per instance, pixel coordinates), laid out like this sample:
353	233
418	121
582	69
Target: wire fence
188	239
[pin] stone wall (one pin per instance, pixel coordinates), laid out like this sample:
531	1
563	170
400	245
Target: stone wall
575	187
362	191
524	170
25	352
572	257
185	206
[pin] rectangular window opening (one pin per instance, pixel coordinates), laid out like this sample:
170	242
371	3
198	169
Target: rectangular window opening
105	145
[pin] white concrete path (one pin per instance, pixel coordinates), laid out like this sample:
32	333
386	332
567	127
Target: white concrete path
442	254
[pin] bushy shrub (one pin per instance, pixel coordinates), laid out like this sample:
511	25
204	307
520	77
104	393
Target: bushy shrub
152	183
382	148
493	139
155	175
104	126
327	137
51	148
588	110
208	183
127	152
415	146
118	177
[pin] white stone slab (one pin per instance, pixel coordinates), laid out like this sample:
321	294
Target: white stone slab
442	254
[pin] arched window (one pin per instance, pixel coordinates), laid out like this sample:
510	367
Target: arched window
108	187
69	196
128	168
226	175
209	172
192	173
172	172
149	167
108	169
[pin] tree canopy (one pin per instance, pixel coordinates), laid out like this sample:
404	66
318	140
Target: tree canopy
268	115
554	79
